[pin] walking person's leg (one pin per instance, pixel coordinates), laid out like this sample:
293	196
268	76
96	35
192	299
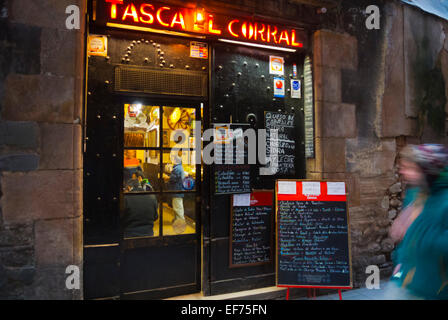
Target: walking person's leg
178	207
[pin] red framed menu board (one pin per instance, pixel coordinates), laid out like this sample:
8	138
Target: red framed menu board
313	235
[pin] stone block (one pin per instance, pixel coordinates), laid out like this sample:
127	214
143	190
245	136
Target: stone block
43	13
339	120
395	188
336	50
77	147
333	155
420	50
13	281
310	165
392	214
41	98
318	119
19	135
370	159
327	84
19	162
57	242
17	256
387	245
314	175
40	195
20	49
318	154
16	235
377	260
393	116
58	52
58	146
353	190
49	284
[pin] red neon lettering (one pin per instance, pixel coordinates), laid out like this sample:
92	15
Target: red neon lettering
180	21
230	28
293	40
260	32
159	18
273	34
210	26
251	30
143	12
284	37
133	13
113	7
244	29
247	30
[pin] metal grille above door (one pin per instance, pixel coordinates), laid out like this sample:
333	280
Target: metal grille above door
167	82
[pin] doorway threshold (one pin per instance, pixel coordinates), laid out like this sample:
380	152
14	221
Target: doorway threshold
267	293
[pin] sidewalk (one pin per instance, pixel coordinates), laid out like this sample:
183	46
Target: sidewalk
355	294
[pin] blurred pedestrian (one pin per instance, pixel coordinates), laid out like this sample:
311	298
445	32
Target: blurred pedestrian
421	230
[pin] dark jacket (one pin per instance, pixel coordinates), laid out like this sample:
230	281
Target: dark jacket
177	177
140	214
423	252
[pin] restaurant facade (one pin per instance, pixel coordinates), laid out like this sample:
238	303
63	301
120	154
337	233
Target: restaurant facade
143	88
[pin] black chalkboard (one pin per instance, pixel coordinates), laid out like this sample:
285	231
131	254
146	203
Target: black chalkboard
232	171
251	234
232	179
286	141
312	241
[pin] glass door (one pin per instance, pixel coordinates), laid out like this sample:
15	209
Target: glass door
160	215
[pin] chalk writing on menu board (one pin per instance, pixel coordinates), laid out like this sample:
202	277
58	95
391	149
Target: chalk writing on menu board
313	243
285	145
232	179
308	108
232	173
251	233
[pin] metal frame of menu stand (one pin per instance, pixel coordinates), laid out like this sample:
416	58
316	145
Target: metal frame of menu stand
313	295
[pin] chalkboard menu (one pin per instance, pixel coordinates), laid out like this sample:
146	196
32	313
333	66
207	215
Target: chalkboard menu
251	229
313	236
308	108
232	171
282	145
232	179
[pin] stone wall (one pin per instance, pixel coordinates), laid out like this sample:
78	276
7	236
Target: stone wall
367	109
41	96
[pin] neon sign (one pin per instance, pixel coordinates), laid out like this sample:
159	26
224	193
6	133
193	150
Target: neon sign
133	14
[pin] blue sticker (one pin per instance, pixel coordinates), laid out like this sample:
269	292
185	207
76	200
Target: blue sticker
188	183
295	89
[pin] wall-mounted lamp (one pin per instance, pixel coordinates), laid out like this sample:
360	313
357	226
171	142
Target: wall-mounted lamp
199	19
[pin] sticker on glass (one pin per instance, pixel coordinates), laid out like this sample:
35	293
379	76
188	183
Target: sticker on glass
198	50
296	89
276	65
279	87
97	45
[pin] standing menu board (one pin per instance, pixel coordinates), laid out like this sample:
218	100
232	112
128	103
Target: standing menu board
285	146
251	229
313	242
232	171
